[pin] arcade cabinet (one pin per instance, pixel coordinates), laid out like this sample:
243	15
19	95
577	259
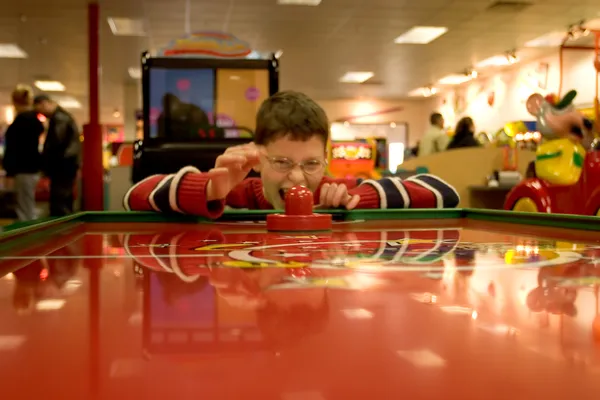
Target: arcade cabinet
198	100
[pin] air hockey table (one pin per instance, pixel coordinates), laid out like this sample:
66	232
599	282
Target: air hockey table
415	304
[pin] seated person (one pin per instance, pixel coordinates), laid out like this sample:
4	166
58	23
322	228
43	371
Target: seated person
289	149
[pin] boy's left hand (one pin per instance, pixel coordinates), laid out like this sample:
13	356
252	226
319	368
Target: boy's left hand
334	195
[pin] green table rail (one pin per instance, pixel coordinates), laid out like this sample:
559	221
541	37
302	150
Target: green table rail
588	223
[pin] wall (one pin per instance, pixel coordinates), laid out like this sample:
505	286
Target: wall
511	88
463	168
415	113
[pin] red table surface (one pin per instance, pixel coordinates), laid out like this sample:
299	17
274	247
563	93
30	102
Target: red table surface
375	310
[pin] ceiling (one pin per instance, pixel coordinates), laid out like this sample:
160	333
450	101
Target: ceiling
319	43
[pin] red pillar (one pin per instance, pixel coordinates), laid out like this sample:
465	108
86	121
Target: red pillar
93	170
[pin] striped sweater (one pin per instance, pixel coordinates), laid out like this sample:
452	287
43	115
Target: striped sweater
185	191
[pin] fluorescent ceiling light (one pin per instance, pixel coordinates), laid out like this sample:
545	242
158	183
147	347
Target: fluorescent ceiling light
10	50
68	102
421	34
551	39
454	79
299	2
50	86
126	26
356	77
424	91
134	73
494	61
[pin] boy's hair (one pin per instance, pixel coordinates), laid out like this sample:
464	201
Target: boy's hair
290	113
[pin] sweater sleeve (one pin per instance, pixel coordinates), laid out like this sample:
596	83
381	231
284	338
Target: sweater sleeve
419	191
183	192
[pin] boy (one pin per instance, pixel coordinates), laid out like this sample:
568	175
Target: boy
289	149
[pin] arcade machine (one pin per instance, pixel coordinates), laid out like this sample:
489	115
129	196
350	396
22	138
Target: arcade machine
200	96
354	159
523	134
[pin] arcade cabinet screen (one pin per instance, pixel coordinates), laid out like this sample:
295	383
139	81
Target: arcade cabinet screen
185	103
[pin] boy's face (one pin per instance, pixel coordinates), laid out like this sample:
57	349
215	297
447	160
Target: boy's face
286	163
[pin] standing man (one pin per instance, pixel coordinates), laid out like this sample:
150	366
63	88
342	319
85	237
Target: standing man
435	139
22	160
61	155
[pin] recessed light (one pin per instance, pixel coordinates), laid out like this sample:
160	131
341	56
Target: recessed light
50	86
68	102
423	91
299	2
551	39
494	61
455	79
421	34
134	73
356	76
10	50
126	26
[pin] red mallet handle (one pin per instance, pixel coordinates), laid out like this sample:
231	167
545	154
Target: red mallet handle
299	201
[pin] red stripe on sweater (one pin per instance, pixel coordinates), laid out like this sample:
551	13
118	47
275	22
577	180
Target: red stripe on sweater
420	197
139	195
191	197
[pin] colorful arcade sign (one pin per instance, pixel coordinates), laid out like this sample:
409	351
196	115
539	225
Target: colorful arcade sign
210	44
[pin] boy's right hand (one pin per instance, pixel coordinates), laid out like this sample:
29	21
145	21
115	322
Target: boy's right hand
230	169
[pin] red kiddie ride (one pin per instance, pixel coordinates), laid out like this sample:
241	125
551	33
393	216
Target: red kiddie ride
537	195
566	177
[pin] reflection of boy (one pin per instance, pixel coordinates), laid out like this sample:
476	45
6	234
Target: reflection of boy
284	316
289	149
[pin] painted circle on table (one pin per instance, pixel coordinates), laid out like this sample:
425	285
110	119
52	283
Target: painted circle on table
252	93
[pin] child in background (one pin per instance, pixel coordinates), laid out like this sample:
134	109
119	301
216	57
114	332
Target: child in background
289	149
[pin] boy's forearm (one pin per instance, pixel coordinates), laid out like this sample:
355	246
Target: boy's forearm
184	192
420	191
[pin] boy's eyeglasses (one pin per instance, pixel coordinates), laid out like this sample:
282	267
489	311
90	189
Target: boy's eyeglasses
284	165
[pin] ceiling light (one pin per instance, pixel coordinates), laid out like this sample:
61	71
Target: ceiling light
424	91
50	86
9	50
472	73
421	35
494	61
126	26
356	77
299	2
551	39
68	102
134	73
456	79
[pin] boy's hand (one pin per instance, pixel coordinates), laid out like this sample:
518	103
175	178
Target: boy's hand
334	195
230	169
